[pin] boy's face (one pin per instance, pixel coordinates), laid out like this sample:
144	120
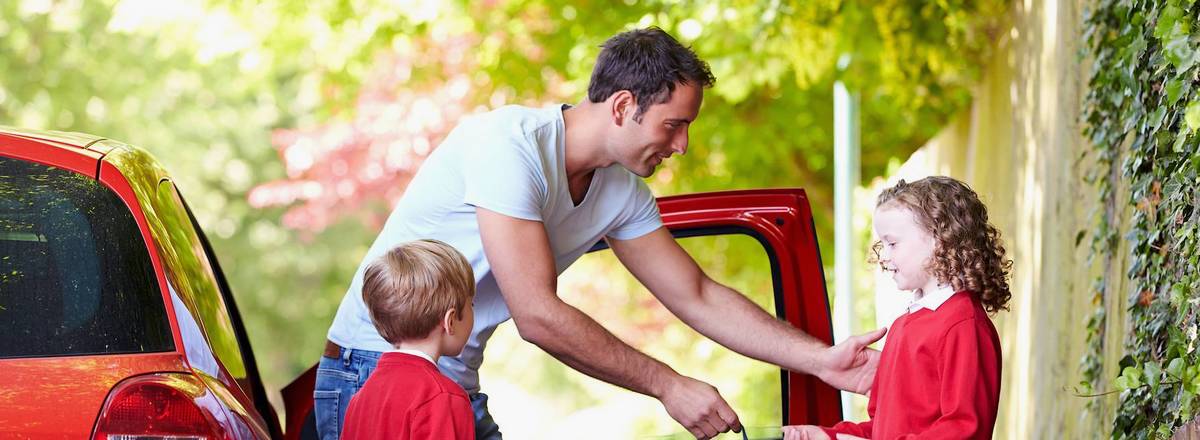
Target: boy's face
662	132
906	248
461	330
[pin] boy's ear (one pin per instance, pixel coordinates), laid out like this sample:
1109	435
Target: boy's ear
448	321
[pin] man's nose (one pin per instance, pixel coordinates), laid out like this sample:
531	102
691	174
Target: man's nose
680	144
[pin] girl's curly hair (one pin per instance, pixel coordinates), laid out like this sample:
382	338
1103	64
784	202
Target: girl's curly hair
968	252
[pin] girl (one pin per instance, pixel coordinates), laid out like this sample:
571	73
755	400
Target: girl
939	375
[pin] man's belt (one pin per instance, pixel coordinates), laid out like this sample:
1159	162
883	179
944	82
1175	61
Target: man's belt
332	350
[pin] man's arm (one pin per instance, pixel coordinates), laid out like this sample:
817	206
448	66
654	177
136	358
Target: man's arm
520	257
658	262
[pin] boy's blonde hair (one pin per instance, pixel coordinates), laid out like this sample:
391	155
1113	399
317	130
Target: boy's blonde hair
968	251
410	288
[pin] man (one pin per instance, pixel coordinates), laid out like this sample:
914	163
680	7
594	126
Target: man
524	192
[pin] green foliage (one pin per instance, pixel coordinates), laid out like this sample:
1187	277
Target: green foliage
1141	114
206	86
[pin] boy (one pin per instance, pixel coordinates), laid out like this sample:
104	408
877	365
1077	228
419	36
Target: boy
419	296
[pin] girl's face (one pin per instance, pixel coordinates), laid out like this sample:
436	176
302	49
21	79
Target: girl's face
905	248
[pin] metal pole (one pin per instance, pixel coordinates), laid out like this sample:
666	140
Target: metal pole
846	176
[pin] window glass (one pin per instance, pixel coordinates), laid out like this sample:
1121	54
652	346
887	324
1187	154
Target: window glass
75	273
535	396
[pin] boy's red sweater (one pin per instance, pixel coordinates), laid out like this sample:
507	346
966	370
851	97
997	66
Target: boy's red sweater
406	397
938	377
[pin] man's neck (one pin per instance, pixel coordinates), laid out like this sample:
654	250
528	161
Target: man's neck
584	141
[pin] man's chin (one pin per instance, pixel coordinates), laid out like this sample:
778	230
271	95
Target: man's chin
644	172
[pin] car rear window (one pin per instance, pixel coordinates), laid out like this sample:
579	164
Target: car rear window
75	274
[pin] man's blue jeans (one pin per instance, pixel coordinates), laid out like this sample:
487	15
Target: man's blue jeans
338	379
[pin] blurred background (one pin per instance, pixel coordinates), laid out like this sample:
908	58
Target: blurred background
293	126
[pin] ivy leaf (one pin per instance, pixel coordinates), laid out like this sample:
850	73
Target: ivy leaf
1193	386
1153	374
1130	378
1179	53
1167	20
1176	368
1121	383
1174	91
1186	398
1180	140
1179	293
1192	115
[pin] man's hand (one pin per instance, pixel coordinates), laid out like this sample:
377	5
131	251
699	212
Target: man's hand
810	432
850	365
699	408
804	432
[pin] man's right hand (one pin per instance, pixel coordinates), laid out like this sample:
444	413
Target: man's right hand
851	365
699	408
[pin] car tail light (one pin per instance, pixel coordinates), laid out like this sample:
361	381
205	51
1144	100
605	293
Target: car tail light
173	406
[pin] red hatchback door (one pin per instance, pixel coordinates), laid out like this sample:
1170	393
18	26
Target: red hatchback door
778	219
781	221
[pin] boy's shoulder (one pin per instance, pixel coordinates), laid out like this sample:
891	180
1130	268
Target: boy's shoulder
412	375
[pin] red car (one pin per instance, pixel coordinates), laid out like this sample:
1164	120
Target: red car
118	321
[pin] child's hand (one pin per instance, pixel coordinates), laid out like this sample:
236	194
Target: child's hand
850	365
804	432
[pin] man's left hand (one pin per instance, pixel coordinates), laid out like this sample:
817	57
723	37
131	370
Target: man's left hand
851	365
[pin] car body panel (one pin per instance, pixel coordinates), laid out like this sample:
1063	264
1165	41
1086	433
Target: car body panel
63	150
65	393
78	140
203	323
135	177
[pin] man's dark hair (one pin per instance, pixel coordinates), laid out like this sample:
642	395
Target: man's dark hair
648	63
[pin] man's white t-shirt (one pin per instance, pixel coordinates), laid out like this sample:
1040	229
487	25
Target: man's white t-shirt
511	161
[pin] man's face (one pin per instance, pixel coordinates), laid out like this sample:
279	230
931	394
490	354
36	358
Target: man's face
906	248
662	132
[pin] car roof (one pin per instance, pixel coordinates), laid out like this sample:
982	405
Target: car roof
61	138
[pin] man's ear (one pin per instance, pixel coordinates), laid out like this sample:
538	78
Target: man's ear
448	321
622	105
